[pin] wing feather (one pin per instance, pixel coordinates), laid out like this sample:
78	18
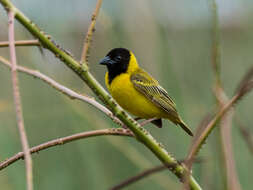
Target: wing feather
148	86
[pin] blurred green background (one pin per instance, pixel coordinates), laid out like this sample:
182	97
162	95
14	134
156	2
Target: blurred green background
172	40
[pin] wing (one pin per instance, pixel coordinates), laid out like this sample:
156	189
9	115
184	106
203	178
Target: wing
148	86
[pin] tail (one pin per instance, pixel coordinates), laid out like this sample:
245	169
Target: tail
185	128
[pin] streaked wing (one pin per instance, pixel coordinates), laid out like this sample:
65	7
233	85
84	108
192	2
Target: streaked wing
148	86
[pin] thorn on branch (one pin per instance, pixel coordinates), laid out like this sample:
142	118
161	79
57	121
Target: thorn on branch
93	17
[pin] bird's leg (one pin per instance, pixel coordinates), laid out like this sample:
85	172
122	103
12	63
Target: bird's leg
155	121
158	123
147	121
137	118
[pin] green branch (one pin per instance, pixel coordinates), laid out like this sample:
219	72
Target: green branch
83	72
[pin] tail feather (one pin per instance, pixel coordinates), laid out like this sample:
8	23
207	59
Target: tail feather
185	128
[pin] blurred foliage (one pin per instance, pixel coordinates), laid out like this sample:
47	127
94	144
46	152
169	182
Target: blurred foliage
172	40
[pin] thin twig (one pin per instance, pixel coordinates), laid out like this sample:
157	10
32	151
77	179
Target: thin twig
17	101
66	91
67	139
22	43
88	37
139	176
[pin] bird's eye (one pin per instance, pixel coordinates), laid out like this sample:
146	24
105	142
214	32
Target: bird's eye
118	58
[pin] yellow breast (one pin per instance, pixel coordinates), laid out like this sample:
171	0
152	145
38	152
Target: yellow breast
123	91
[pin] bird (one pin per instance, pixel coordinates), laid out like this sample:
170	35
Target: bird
136	91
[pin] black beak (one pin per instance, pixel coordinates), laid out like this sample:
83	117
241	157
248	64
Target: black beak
106	61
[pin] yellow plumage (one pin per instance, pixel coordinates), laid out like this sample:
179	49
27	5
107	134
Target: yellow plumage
123	91
136	91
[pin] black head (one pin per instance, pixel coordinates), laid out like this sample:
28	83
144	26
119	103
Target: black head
117	61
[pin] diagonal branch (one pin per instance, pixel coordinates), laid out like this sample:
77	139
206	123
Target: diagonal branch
64	140
21	43
139	176
17	101
68	92
91	29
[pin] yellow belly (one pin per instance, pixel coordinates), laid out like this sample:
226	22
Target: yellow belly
123	91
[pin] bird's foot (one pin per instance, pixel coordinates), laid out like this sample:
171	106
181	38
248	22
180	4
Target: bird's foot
155	121
145	122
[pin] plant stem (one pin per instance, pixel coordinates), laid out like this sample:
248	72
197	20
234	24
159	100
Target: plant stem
17	101
91	29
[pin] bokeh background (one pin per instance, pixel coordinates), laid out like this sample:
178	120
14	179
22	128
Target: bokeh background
172	40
